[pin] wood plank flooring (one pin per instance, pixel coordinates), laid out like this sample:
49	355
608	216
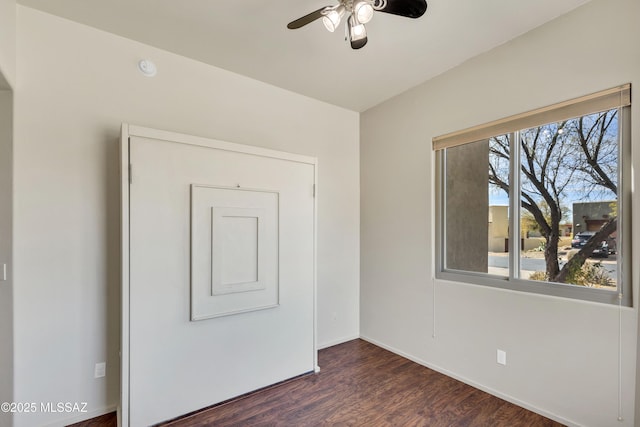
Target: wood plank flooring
107	420
361	384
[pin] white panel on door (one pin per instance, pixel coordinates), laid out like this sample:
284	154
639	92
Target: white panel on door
234	251
234	247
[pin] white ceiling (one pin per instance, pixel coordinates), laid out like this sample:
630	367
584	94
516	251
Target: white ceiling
250	37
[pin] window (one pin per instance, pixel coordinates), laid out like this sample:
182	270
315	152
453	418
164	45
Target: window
540	202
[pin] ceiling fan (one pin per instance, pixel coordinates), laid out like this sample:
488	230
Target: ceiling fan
359	12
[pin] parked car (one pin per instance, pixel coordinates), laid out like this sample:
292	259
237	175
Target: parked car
581	239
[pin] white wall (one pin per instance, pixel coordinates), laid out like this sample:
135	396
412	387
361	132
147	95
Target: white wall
75	86
7	42
562	354
7	75
6	291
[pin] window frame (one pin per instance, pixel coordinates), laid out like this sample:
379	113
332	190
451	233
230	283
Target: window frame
621	296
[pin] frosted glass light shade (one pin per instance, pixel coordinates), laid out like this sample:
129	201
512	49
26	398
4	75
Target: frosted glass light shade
357	31
363	11
332	19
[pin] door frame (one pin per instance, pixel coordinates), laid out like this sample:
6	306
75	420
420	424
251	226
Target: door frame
127	131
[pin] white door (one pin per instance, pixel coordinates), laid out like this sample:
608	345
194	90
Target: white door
221	272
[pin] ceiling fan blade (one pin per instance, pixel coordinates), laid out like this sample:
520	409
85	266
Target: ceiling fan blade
407	8
306	19
357	44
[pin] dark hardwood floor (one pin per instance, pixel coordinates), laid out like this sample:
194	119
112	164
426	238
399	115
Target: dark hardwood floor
107	420
364	385
361	384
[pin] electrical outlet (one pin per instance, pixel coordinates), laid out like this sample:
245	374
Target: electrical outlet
502	357
100	370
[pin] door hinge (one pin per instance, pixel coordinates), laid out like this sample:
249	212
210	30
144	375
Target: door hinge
130	174
314	190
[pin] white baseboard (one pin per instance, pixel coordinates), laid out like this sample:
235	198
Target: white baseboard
83	417
338	341
472	383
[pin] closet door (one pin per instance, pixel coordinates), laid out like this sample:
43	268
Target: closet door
221	272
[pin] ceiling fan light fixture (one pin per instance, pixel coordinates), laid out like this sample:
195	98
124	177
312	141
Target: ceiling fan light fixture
357	31
359	12
363	11
332	17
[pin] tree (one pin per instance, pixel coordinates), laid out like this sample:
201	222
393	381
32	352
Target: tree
570	159
600	148
529	223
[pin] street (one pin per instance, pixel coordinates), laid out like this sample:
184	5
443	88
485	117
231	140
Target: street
498	263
